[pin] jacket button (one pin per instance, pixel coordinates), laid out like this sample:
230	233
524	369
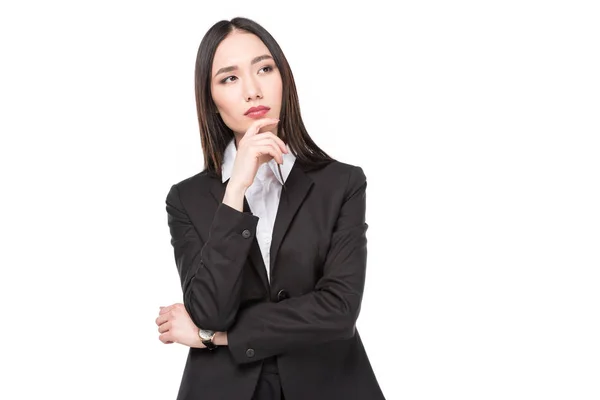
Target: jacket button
246	234
282	295
250	353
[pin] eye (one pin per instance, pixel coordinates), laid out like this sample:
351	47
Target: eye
268	67
225	80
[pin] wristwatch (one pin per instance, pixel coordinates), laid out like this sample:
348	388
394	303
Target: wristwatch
207	336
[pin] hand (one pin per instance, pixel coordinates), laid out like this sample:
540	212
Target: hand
176	326
254	149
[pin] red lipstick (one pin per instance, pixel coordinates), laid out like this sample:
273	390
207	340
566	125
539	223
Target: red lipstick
257	112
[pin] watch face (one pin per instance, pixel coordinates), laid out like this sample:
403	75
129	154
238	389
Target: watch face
205	334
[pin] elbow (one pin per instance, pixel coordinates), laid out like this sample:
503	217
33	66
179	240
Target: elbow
348	324
209	316
347	309
349	331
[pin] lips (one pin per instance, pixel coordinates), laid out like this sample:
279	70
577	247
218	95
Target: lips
257	109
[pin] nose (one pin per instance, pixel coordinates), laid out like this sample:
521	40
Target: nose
252	90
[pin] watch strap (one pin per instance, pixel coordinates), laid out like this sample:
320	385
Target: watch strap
209	343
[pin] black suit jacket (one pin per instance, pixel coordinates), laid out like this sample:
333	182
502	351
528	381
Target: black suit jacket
306	316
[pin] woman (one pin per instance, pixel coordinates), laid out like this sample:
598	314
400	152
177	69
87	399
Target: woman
269	240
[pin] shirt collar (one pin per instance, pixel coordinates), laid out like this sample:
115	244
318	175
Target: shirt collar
231	152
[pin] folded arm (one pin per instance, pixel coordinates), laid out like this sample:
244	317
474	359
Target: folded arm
211	270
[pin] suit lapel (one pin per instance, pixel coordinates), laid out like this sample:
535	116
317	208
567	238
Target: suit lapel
218	192
297	186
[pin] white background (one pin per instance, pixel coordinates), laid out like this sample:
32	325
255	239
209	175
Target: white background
475	122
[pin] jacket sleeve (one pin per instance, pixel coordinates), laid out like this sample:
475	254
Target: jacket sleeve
326	314
211	270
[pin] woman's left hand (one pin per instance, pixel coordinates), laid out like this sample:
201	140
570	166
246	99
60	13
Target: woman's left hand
176	326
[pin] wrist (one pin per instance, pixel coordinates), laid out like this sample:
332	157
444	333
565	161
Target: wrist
236	188
234	196
207	337
220	339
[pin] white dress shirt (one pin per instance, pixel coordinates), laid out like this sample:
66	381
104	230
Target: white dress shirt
263	195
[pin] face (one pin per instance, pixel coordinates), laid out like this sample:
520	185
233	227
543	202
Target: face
244	75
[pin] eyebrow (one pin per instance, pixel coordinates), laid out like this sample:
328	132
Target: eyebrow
234	67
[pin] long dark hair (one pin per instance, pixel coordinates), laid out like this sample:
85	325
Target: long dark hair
215	135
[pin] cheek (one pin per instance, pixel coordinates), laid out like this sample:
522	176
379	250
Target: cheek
276	91
228	107
222	100
225	103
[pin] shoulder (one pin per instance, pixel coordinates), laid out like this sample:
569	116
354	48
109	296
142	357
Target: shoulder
347	177
193	185
202	178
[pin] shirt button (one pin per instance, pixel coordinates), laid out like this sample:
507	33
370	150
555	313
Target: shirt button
246	234
250	353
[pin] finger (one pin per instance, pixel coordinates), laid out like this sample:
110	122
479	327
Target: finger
271	135
269	149
161	319
167	309
165	327
277	155
166	338
258	124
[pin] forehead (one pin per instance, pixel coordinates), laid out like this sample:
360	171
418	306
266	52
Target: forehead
239	48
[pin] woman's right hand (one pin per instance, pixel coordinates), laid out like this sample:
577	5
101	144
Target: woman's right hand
254	149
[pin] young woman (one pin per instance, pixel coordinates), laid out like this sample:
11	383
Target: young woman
269	240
